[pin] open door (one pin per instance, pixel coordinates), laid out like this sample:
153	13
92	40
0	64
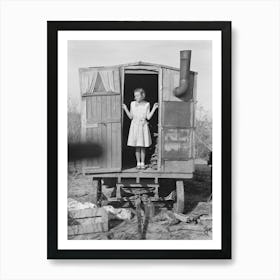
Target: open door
101	117
149	82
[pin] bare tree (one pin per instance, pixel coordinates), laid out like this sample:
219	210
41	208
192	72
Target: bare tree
203	133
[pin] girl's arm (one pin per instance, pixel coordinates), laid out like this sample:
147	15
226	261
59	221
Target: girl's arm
126	111
150	114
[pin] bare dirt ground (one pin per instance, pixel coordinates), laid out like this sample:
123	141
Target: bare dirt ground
163	225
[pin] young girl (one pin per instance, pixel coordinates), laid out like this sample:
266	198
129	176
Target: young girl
139	134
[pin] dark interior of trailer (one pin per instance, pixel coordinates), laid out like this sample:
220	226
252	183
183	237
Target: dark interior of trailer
149	82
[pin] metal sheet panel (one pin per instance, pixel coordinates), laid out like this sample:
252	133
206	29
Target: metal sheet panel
177	114
179	166
177	143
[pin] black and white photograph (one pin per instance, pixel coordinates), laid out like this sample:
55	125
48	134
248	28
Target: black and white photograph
139	140
137	167
150	125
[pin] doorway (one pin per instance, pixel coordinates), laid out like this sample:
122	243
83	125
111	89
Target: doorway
149	82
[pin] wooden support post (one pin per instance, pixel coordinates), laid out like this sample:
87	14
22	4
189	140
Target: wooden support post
180	195
138	214
96	191
149	214
99	193
119	179
118	191
146	220
156	193
151	208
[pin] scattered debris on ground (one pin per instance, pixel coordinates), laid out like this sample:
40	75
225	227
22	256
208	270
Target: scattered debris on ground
115	221
118	213
76	205
154	158
124	224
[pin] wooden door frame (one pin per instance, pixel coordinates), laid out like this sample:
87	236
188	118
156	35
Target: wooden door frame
160	92
139	69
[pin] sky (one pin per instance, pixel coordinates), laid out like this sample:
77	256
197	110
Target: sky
93	53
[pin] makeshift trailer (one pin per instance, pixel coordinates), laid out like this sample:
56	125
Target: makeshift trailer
171	156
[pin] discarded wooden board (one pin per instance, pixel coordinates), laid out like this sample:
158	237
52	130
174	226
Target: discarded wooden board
85	213
89	236
182	217
181	226
203	211
205	218
88	220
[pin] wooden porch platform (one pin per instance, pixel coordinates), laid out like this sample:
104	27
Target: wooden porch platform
138	174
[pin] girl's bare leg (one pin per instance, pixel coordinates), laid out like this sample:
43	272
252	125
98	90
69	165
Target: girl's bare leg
137	154
143	154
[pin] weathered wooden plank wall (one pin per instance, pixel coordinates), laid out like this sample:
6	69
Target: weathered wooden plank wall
103	127
102	119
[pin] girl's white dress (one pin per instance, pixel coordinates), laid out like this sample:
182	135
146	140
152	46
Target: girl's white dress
139	133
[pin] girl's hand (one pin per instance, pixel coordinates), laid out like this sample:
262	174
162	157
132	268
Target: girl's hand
155	106
124	106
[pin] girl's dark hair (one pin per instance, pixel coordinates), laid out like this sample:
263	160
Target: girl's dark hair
141	90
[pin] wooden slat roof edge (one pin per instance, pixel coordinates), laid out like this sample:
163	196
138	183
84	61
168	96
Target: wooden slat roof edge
137	63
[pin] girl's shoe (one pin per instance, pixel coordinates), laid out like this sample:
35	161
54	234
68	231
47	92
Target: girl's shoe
142	165
138	166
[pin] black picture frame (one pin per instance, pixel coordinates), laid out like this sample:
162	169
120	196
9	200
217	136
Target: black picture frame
52	140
